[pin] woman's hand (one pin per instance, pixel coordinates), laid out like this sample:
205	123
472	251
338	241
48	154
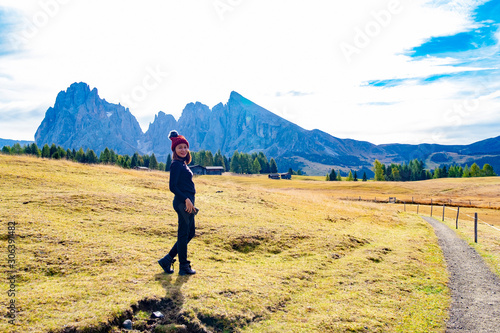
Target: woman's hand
189	206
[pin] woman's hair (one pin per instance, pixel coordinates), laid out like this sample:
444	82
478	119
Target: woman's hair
186	159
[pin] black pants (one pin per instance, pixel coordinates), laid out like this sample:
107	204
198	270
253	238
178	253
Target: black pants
185	232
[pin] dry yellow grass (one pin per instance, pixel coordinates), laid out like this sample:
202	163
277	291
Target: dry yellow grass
481	192
271	256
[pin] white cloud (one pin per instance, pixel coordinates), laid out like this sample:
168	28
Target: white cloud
259	49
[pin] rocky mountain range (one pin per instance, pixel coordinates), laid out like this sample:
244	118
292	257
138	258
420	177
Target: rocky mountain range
80	118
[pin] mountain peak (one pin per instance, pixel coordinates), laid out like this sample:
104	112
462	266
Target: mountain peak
234	96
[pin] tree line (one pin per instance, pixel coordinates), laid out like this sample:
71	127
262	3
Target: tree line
238	163
415	170
351	177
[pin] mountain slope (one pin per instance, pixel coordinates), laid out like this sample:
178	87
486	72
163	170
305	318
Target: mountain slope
80	118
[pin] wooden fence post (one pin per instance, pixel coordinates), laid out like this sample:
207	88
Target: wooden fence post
418	206
458	212
431	207
443	211
475	227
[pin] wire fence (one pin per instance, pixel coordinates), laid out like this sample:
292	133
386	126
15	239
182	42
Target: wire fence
468	216
469	203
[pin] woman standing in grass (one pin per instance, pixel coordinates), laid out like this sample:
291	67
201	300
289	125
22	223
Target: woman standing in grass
181	184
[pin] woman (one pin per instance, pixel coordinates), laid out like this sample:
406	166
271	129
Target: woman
181	184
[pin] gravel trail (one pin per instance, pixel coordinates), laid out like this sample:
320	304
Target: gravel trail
475	290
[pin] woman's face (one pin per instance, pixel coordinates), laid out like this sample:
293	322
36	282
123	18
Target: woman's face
181	150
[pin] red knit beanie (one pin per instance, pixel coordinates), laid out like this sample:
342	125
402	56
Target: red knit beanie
177	139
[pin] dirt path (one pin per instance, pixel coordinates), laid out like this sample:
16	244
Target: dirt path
475	290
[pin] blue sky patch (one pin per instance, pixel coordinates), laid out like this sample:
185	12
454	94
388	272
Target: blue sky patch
386	83
7	26
486	15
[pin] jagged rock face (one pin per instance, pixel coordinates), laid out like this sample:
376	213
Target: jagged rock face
156	138
80	118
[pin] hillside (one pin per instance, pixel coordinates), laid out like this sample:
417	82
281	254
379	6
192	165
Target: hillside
271	256
8	142
80	118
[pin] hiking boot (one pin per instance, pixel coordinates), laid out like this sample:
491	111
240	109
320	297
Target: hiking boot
166	263
186	270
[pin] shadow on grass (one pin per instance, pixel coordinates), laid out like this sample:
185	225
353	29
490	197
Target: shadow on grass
171	306
145	314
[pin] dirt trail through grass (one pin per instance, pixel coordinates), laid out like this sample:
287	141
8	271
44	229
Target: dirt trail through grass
474	288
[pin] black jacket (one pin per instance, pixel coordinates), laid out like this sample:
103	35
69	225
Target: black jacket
181	181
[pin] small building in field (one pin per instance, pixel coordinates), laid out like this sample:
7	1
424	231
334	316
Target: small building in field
198	170
141	168
209	170
214	170
280	176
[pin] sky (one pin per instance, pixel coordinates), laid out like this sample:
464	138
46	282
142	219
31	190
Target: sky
383	71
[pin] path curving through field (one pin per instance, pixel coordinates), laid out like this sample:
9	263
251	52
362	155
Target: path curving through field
475	290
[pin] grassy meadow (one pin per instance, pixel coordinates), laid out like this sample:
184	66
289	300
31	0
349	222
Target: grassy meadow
270	255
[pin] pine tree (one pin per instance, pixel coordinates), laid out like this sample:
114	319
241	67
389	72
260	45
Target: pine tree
153	163
466	172
264	163
112	156
350	178
16	149
144	160
209	158
339	177
135	160
91	157
219	159
35	151
46	151
364	177
245	163
61	152
235	163
68	154
273	167
169	161
105	156
256	166
355	176
53	149
79	156
333	175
